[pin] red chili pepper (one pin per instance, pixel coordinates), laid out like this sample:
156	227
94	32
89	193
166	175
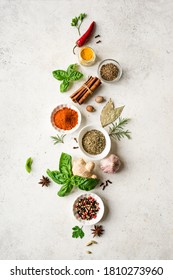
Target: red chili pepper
81	41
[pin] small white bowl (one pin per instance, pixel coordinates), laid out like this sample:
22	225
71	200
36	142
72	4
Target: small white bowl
99	213
107	148
59	107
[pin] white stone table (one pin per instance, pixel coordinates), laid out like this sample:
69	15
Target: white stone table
35	39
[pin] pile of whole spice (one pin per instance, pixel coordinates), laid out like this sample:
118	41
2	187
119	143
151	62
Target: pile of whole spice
86	208
109	71
94	142
65	118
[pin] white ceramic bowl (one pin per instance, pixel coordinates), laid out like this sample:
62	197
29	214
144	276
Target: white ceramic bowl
59	107
99	213
105	152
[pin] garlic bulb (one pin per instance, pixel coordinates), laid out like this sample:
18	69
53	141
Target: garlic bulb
110	164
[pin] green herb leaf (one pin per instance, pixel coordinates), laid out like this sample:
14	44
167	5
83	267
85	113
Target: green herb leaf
28	164
74	21
117	130
65	177
77	232
57	176
82	183
65	189
65	165
109	113
64	85
77	21
71	68
75	75
82	16
60	74
66	76
58	139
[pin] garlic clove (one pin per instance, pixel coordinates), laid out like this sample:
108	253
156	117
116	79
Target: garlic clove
110	164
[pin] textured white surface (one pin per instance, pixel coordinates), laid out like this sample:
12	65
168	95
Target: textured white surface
36	38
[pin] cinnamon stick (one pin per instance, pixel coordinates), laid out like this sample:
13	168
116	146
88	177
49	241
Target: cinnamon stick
77	91
85	90
92	88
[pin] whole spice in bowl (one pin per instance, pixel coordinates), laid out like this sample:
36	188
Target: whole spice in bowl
109	70
66	118
88	209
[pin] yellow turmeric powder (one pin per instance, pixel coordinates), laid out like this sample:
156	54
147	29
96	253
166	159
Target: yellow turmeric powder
87	53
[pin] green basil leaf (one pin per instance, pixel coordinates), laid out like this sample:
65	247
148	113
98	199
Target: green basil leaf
71	68
64	85
57	177
82	183
28	164
60	74
65	165
75	75
65	189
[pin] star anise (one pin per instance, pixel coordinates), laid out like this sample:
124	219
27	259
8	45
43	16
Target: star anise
97	231
44	181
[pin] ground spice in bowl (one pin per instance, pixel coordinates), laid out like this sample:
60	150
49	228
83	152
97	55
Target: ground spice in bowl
65	118
94	142
87	56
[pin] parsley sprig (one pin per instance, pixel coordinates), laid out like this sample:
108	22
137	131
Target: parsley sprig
117	130
77	21
77	232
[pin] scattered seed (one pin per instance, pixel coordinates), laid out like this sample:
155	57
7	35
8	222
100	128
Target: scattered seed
105	184
75	147
98	42
99	99
97	36
88	252
91	242
109	181
75	139
90	108
94	242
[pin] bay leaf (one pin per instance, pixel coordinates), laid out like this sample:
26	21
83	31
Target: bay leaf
109	113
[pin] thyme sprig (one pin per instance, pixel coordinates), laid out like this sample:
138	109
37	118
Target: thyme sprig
117	130
58	139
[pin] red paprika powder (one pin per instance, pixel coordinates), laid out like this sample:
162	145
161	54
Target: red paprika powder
66	118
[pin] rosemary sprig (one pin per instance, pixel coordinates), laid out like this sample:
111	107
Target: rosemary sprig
58	139
117	130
